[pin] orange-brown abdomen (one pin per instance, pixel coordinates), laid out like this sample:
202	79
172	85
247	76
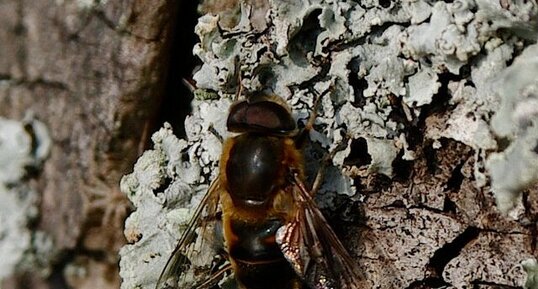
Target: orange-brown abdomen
256	203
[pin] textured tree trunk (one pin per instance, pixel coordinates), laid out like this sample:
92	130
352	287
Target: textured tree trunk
94	73
428	110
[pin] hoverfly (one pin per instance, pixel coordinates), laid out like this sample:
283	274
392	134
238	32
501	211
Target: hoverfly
273	234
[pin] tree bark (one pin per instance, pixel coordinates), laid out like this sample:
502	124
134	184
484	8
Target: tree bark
410	102
426	107
94	73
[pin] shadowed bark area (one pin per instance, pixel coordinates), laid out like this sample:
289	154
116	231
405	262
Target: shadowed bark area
104	75
94	72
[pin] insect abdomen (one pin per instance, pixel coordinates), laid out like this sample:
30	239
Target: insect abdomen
255	205
258	261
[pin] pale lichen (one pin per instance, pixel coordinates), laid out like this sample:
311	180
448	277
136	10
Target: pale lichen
388	73
531	267
165	181
516	168
24	145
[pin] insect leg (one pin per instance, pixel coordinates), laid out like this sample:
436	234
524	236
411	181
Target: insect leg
189	85
239	90
215	278
302	136
212	130
324	162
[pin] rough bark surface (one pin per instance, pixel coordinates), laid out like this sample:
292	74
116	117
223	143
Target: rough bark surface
414	91
94	73
427	190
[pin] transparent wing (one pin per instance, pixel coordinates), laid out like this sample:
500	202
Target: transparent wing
197	262
313	249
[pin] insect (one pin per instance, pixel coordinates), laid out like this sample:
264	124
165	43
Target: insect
273	235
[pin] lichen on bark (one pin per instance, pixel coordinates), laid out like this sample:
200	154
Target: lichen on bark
409	101
24	146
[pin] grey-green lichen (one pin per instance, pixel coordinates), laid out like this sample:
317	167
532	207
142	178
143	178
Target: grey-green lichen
531	267
516	167
379	67
165	186
24	145
284	59
405	59
151	172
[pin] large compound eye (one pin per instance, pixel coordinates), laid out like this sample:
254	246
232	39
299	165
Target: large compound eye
261	116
